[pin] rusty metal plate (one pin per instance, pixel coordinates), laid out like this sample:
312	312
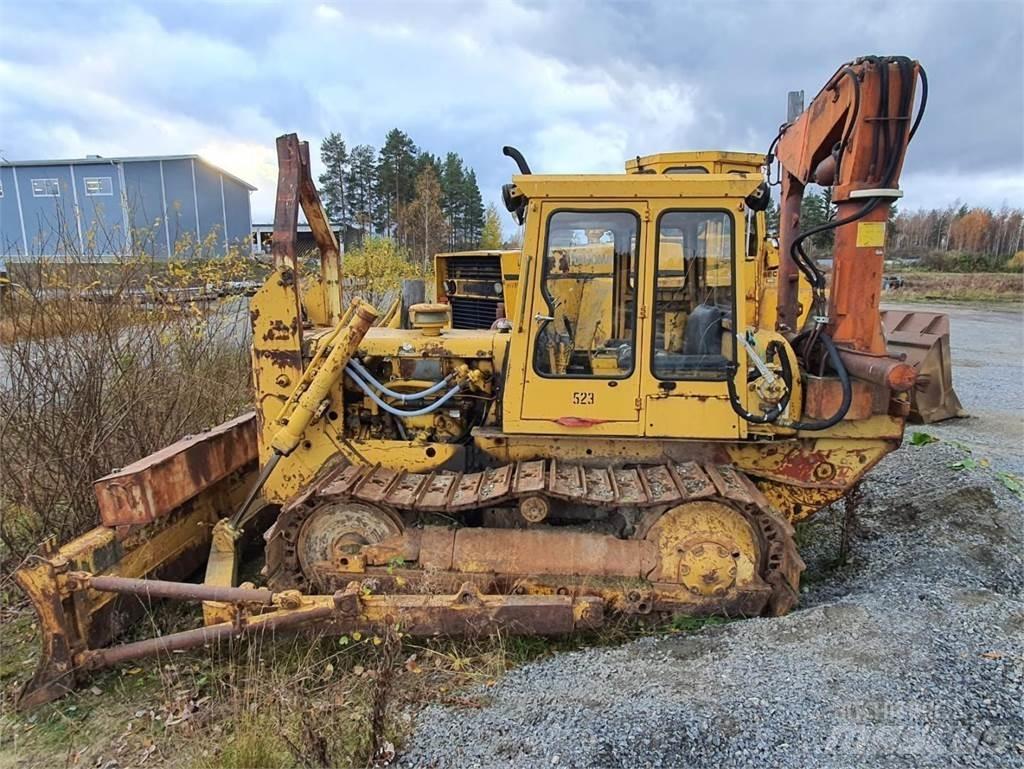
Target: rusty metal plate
599	485
659	485
437	492
730	483
497	483
466	492
566	481
152	487
530	476
628	487
346	480
692	481
405	490
375	487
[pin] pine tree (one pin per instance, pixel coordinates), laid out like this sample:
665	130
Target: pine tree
772	218
815	210
452	182
332	181
361	187
396	175
491	236
474	211
427	160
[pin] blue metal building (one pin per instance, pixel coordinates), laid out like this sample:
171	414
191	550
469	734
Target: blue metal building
102	207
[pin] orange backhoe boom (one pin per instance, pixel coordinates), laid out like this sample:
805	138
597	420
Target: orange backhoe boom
852	137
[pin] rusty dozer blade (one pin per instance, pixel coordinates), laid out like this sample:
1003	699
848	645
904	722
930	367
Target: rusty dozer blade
923	338
157	514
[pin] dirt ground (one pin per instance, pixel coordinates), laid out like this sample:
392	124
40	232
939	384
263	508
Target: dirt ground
908	654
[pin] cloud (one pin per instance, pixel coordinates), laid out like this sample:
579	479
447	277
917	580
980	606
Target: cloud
577	86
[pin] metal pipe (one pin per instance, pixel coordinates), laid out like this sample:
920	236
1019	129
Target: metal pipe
190	639
179	591
789	274
290	434
882	370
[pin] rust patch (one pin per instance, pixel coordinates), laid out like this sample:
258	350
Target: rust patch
278	331
283	358
578	421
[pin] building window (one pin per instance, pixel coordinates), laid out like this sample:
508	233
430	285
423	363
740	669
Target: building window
45	188
98	185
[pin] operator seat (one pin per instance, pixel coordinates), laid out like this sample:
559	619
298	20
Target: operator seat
702	344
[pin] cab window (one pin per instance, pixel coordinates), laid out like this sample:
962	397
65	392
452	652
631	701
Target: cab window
693	296
588	284
753	235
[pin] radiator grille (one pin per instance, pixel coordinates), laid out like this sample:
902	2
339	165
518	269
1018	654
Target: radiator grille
476	268
472	312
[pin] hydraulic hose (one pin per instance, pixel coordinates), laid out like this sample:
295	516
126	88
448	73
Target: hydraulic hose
370	379
428	409
924	102
776	411
844	381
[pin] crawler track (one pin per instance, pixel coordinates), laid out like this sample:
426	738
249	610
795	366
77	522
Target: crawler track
649	490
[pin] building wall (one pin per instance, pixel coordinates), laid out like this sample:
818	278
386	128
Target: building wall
144	197
145	206
103	226
10	221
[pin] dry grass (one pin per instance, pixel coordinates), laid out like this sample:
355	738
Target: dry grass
292	701
959	287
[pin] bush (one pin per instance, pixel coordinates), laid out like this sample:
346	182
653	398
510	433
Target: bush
962	261
101	364
375	271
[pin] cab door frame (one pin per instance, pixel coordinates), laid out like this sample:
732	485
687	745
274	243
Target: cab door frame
692	408
565	404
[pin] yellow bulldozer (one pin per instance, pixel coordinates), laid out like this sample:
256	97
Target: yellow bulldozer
626	416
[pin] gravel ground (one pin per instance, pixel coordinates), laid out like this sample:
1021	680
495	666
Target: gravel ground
910	654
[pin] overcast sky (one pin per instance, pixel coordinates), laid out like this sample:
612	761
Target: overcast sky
576	86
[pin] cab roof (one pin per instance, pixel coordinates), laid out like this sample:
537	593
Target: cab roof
637	186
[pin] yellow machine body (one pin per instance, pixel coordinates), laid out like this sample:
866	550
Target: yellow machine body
559	437
616	410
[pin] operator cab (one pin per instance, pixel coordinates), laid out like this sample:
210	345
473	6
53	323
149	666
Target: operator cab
630	288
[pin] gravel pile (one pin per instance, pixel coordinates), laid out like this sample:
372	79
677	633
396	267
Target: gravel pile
910	654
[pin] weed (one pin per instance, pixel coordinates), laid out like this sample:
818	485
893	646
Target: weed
255	744
101	367
1013	483
684	624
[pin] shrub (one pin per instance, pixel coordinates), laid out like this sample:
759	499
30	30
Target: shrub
101	364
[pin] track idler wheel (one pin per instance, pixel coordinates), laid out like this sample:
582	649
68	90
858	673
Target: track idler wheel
309	547
709	548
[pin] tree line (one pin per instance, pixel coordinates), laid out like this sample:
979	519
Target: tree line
957	238
425	203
